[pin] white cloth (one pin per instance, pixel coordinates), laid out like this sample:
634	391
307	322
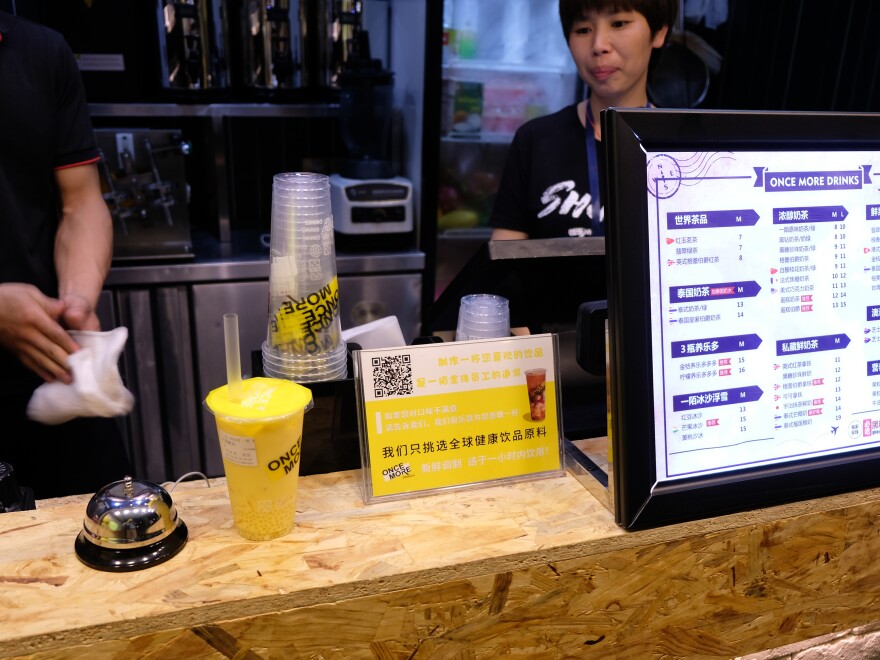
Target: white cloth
97	389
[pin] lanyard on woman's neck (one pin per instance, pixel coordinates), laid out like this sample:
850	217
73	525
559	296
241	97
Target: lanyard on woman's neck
593	172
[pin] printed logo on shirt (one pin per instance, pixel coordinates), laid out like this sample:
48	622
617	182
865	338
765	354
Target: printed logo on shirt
562	198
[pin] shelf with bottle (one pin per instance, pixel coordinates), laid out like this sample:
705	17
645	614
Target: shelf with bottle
457	66
468	180
489	106
481	137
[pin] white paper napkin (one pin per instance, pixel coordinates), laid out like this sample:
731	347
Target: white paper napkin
97	389
381	333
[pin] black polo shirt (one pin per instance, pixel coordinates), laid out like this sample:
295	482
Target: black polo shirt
44	126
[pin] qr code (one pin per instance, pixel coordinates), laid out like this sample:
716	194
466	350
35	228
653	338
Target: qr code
392	376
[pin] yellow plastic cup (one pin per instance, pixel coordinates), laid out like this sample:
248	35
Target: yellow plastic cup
260	440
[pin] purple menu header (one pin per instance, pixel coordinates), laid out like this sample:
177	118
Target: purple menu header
801	181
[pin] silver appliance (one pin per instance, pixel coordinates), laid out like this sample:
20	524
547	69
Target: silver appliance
371	206
369	213
143	181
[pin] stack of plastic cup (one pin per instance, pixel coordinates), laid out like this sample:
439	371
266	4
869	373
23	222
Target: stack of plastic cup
304	342
483	316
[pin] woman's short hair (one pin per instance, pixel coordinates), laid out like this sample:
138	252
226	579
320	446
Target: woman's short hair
658	13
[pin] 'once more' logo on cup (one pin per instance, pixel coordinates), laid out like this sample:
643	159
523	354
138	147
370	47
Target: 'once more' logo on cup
305	324
287	461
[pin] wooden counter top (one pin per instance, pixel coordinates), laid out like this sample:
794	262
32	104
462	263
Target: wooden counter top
531	566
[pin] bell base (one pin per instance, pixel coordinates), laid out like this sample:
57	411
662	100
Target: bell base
119	561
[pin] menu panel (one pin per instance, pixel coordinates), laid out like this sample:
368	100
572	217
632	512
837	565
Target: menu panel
765	295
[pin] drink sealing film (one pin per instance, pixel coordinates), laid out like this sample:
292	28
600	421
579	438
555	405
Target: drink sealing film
262	398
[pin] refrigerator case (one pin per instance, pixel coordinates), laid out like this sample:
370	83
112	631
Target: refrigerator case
502	63
499	63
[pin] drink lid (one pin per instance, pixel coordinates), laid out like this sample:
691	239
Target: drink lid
262	398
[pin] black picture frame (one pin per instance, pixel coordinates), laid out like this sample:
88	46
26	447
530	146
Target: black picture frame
641	500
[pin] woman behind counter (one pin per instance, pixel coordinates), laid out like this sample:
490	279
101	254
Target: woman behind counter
552	171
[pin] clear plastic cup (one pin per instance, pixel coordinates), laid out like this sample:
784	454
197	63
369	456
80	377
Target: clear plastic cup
484	320
493	326
287	233
304	337
306	326
483	316
484	303
301	182
467	335
260	440
298	214
306	202
292	224
305	369
306	186
284	359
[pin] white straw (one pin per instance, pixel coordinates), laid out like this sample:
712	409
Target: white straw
233	357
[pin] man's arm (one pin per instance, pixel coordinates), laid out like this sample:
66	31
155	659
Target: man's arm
83	245
30	330
499	234
32	325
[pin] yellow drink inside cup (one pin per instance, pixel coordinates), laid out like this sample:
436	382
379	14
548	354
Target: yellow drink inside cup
260	439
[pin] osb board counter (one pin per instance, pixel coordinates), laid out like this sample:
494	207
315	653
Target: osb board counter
537	568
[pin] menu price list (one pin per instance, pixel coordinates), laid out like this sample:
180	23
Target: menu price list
766	289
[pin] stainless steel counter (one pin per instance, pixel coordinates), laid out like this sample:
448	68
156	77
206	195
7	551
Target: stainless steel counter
253	266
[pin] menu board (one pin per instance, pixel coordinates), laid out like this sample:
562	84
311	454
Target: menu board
765	299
